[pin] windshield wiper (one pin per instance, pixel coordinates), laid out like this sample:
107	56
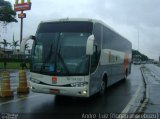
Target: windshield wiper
63	63
59	56
49	55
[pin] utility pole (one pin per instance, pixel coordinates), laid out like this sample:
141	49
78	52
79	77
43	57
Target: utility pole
21	29
23	6
138	40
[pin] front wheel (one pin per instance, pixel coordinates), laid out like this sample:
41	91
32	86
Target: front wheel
103	87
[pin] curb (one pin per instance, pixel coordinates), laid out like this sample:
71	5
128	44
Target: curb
146	96
140	109
136	104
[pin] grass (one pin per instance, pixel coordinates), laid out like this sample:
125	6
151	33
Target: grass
12	65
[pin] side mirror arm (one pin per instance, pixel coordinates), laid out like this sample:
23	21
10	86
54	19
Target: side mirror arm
22	46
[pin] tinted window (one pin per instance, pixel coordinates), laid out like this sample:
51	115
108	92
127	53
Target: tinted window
97	31
51	27
112	40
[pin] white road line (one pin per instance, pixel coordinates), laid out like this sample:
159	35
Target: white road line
17	100
127	108
131	102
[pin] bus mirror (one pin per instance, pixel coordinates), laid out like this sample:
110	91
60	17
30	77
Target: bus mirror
22	46
32	37
90	45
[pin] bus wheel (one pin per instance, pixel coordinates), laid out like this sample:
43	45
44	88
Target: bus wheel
125	75
103	87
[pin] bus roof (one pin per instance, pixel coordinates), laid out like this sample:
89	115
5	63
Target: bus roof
83	19
72	19
78	19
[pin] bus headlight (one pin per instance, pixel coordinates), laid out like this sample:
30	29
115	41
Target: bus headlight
34	80
84	92
79	84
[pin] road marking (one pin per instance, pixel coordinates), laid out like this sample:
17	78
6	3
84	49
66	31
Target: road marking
146	96
22	98
147	90
127	108
131	102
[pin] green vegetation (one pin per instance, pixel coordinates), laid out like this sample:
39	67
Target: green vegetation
14	43
7	14
12	65
4	43
143	57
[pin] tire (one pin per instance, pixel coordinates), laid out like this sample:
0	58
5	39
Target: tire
103	87
125	75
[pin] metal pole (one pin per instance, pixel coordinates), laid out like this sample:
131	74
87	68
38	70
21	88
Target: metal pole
138	40
21	36
21	29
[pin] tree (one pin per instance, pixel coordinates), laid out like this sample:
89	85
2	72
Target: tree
143	57
4	43
7	14
14	43
26	46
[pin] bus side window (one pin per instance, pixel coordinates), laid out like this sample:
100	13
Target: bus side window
97	31
38	53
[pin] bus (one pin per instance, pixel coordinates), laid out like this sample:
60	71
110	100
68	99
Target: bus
77	57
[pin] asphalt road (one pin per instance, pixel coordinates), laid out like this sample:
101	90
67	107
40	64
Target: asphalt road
115	99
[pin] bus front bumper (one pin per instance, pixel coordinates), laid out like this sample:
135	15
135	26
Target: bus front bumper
66	91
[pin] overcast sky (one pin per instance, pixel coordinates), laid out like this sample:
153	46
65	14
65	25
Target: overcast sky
128	17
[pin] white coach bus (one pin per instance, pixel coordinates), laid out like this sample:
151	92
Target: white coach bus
77	57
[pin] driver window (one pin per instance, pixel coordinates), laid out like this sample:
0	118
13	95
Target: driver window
38	53
97	31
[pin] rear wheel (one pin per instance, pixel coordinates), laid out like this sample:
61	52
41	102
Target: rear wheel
125	75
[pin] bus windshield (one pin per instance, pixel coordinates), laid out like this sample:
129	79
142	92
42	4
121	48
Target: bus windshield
60	53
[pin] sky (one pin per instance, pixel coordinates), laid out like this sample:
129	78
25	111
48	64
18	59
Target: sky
137	20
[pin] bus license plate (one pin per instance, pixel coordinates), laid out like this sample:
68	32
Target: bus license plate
54	91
